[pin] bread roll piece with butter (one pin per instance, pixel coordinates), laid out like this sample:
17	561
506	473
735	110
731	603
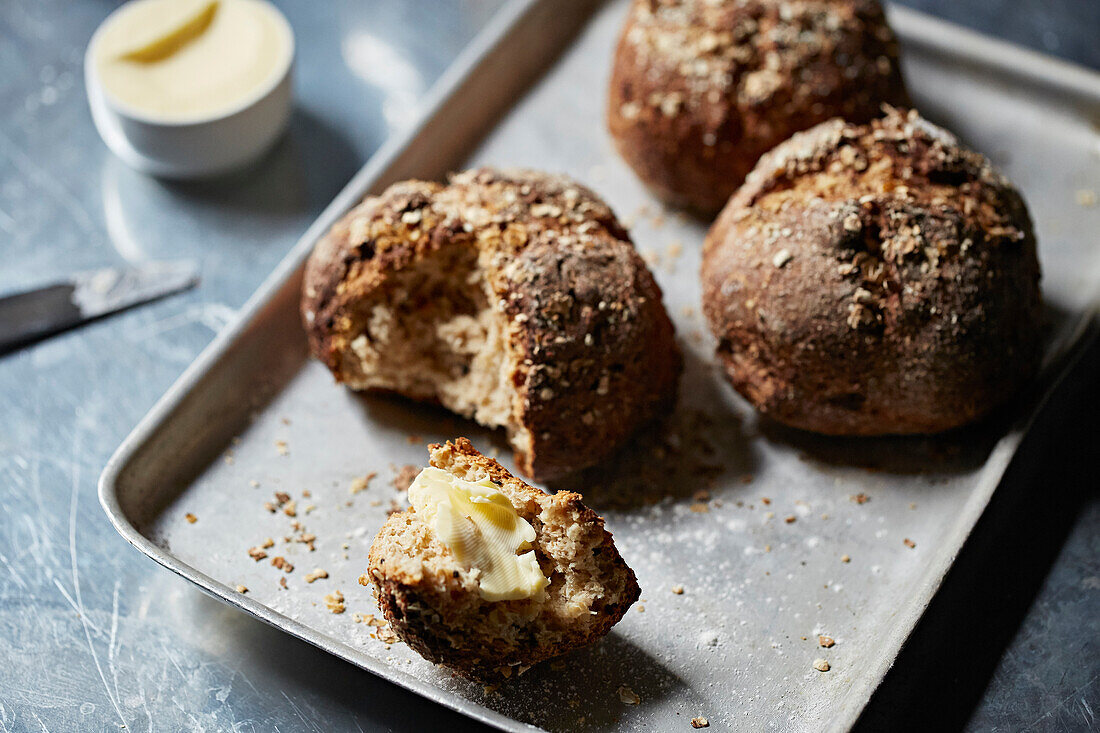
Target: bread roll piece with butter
489	575
514	298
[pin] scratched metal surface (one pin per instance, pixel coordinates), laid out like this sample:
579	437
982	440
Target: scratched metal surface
91	633
762	579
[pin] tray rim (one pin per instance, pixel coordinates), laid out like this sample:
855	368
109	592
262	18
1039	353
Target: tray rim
912	27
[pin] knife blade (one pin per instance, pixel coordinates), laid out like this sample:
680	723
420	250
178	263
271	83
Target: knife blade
37	314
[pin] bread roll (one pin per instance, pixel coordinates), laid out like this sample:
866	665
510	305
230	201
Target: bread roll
514	298
700	89
874	279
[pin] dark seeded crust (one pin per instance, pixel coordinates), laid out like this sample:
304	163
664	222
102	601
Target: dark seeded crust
876	279
700	90
595	349
439	617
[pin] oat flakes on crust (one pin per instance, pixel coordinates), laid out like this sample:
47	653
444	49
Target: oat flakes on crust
700	89
511	297
432	603
908	300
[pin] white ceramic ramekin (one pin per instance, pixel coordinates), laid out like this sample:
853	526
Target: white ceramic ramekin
199	148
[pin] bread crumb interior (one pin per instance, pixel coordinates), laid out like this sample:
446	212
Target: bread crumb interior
435	335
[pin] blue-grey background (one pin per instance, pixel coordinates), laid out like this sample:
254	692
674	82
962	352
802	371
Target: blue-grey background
94	636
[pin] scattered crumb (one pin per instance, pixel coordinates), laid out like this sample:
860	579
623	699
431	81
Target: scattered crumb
791	519
860	498
280	562
909	543
256	554
384	633
1086	197
404	477
282	448
678	590
845	558
767	515
284	420
282	582
687	311
281	497
362	483
335	602
641	608
699	508
701	495
628	696
821	665
254	484
765	501
317	574
228	458
826	642
191	518
767	548
269	506
309	508
268	543
700	722
307	493
242	588
291	509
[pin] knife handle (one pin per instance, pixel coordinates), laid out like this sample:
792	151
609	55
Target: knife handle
28	317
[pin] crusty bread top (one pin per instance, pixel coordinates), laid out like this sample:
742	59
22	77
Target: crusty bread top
502	211
759	52
943	201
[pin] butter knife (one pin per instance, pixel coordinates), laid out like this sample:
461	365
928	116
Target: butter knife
37	314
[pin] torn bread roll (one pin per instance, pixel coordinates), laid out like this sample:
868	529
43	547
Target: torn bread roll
514	298
489	575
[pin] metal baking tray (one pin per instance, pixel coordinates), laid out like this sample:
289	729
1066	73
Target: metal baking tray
800	536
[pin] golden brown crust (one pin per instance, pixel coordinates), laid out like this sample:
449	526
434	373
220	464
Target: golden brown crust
875	279
700	90
433	606
594	350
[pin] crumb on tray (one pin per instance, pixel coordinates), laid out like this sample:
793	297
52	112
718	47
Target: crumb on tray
628	696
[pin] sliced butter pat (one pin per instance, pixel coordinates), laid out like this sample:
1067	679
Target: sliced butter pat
483	530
